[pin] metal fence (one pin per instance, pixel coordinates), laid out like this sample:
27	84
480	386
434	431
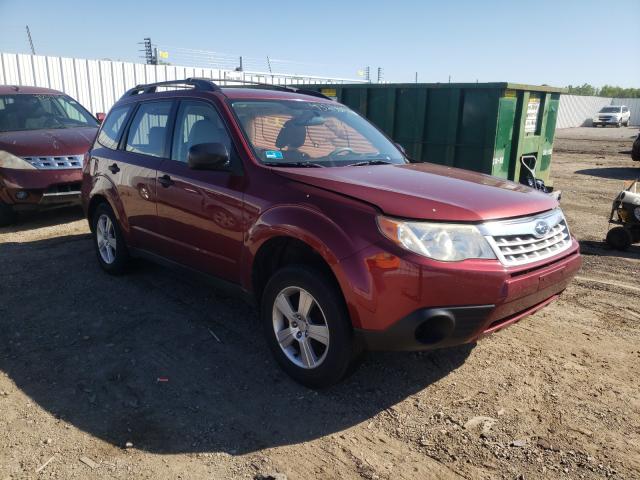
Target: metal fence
577	110
97	84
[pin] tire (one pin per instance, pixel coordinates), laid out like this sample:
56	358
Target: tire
113	255
326	362
619	124
7	215
619	238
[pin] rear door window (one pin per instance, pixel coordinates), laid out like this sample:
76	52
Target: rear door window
111	130
148	131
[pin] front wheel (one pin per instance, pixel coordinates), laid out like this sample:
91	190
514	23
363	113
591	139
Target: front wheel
7	215
109	243
619	238
307	326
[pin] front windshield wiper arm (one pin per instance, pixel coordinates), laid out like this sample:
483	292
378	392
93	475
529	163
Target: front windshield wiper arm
369	162
294	164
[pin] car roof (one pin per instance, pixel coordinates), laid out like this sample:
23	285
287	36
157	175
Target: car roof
235	93
15	89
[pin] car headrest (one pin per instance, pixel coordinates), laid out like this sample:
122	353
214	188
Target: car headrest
205	131
156	137
291	135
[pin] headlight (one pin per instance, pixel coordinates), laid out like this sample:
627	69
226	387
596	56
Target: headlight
8	160
441	241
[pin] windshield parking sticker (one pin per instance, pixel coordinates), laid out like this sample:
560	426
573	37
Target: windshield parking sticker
274	154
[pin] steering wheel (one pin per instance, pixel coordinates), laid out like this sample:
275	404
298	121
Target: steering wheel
341	151
51	120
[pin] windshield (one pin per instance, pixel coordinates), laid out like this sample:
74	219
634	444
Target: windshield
610	110
36	112
300	133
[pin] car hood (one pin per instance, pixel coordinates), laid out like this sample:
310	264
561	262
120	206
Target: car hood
427	191
59	141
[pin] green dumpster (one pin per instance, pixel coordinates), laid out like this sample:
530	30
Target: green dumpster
486	127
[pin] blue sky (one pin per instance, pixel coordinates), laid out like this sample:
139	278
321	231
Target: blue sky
557	42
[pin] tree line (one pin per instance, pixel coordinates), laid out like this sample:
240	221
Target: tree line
605	91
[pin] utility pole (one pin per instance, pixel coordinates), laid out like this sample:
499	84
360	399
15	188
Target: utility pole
150	53
33	50
367	74
416	77
379	74
269	64
239	69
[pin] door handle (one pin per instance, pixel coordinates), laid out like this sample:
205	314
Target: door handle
114	168
165	181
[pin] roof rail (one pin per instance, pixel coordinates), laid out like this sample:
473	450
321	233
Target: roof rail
272	86
197	83
209	85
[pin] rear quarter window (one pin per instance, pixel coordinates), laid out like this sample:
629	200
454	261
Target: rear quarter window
112	127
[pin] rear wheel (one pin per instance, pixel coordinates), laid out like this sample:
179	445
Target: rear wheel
619	238
109	243
307	326
7	215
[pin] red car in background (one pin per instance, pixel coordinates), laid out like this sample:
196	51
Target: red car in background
44	135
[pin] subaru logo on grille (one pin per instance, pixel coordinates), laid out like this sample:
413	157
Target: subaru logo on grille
541	229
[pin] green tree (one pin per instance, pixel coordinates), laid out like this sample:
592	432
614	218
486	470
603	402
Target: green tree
585	89
605	91
619	92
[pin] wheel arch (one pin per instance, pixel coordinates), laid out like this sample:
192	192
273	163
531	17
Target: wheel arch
296	233
104	191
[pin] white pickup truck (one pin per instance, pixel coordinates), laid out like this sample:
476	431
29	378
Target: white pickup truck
617	115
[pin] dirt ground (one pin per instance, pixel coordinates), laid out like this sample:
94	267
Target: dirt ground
104	377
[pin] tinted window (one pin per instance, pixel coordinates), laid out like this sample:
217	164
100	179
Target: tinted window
196	123
112	127
42	111
148	130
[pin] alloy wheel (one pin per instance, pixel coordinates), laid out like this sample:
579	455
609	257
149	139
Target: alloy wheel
106	239
301	327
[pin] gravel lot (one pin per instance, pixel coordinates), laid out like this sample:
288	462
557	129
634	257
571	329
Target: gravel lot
104	377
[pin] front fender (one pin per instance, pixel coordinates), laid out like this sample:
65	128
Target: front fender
333	242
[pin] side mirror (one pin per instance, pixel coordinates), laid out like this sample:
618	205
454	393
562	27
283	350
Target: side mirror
100	116
208	156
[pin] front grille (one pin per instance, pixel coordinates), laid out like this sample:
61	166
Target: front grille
63	189
56	163
527	240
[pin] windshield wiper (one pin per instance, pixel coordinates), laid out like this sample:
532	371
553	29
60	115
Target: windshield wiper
293	164
369	162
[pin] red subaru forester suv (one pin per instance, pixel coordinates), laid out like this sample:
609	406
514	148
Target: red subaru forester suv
301	203
44	135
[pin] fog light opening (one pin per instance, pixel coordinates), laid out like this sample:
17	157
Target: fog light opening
436	328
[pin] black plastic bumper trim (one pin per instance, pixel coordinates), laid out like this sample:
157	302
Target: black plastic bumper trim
429	328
